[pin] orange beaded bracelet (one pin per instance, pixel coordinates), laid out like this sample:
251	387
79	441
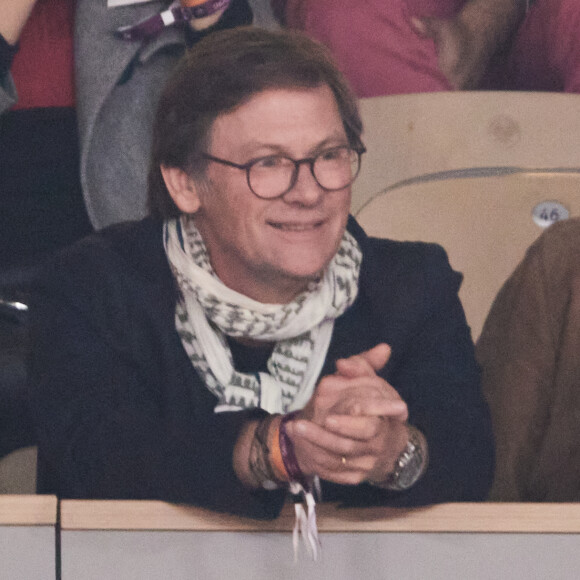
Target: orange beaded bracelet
190	3
276	460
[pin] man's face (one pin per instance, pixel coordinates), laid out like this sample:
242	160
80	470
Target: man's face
269	249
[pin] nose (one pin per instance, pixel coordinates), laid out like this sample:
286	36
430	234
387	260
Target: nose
306	190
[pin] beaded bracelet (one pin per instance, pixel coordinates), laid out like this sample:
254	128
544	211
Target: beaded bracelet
258	460
288	454
276	460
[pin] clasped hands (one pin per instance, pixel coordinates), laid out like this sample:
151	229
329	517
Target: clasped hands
354	428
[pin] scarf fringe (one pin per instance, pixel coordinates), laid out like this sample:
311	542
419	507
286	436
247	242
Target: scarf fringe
305	525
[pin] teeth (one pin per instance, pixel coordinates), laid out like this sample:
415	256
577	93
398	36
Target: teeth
295	227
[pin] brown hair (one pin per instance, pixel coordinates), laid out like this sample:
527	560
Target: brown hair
222	72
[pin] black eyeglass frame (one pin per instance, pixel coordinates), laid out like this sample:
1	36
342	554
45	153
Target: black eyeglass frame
297	163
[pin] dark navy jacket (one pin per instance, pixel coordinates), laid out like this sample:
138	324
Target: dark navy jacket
121	412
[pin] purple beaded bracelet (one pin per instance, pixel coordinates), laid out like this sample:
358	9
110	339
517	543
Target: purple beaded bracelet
288	455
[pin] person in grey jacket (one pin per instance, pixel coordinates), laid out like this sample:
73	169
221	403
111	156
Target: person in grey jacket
117	85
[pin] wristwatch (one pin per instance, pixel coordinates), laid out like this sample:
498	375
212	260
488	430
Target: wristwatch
409	466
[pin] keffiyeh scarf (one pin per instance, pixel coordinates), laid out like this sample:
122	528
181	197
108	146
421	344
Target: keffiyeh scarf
208	311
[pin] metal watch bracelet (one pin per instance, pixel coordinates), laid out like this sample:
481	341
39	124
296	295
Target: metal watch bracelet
409	466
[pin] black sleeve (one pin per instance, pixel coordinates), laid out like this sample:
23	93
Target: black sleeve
118	413
433	368
440	380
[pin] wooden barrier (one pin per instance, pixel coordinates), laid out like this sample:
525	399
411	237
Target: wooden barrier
154	540
28	537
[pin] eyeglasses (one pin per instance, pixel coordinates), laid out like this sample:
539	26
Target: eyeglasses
273	176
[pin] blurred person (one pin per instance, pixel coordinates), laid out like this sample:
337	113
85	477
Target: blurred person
528	351
412	46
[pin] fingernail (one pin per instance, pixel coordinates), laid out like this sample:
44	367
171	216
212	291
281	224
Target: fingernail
331	422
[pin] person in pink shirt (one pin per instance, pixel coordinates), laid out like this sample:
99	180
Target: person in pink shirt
408	46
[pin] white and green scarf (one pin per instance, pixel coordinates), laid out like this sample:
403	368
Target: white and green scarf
208	310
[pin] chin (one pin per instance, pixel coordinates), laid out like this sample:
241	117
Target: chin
305	272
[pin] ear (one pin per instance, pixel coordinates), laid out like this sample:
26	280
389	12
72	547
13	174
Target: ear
182	188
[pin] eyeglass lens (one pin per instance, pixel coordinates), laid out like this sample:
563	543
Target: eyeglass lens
333	169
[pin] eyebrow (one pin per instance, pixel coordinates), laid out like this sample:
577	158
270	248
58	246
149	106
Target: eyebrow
331	141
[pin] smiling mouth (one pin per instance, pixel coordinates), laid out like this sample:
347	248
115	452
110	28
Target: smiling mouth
295	227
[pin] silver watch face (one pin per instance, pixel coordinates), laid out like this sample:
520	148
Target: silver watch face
410	465
410	469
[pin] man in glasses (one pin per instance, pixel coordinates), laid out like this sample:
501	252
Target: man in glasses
248	338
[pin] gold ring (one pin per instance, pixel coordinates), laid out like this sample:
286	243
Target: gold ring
343	460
